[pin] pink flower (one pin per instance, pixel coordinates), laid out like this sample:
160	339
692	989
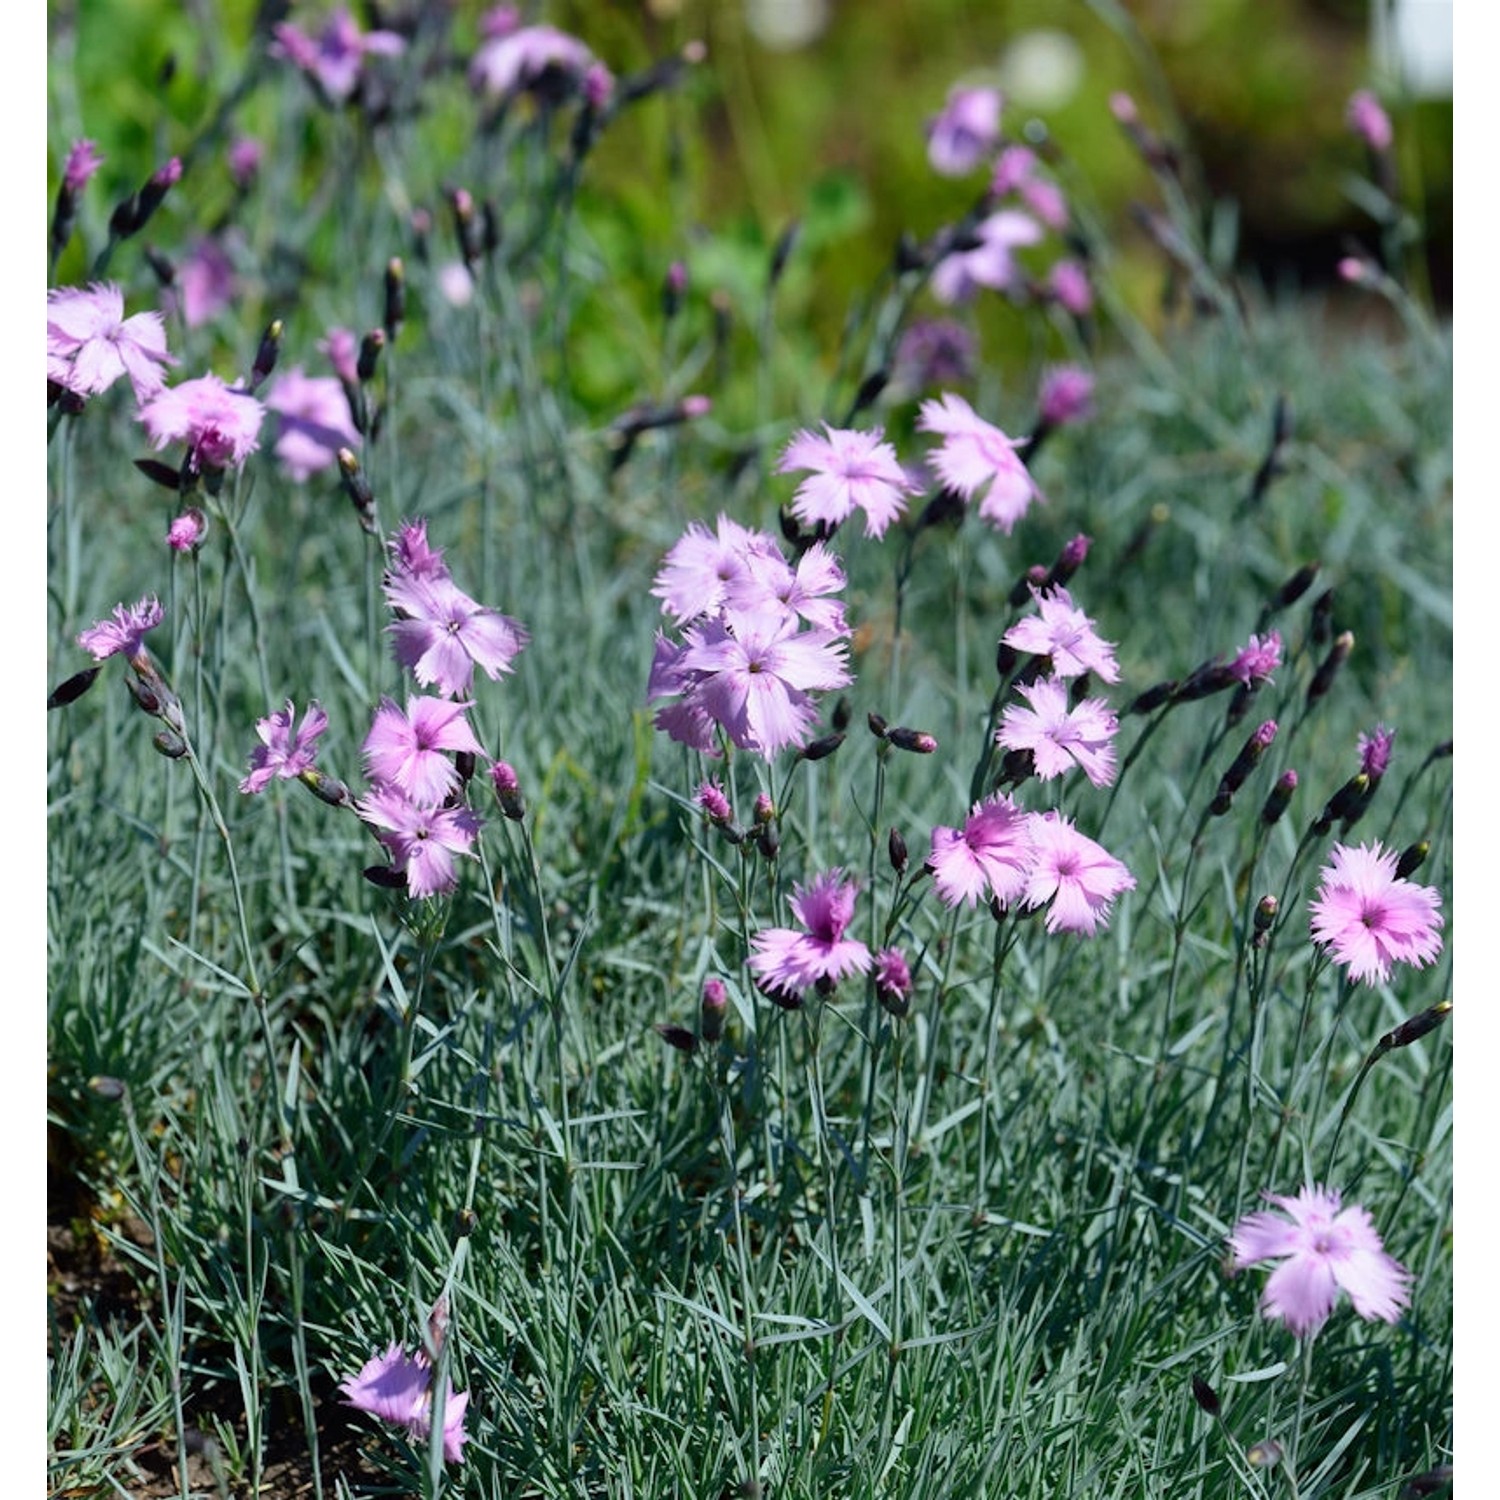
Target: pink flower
1323	1247
91	343
407	749
422	839
1370	918
313	422
342	349
693	575
1046	200
1075	874
83	161
528	57
1375	751
442	634
991	263
1059	736
893	980
334	58
124	634
412	556
965	132
1257	659
1070	285
1014	165
219	425
398	1390
756	680
975	458
768	585
786	961
187	531
205	282
284	751
710	797
991	852
1067	395
1369	121
849	471
1065	634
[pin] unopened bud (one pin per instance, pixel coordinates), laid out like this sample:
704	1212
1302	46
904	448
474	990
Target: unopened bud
674	284
1323	678
1035	577
1295	586
918	741
1281	794
712	1009
895	848
1412	859
878	725
1153	698
893	982
842	713
1068	562
173	746
465	763
1206	1397
1320	627
395	297
765	810
676	1036
326	788
357	487
768	841
1018	765
73	689
1244	763
146	696
1265	1454
369	354
1339	805
1212	677
267	353
1265	914
109	1088
822	748
869	392
1416	1027
507	787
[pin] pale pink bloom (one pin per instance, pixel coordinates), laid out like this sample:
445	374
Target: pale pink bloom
965	132
768	584
399	1390
219	425
456	282
82	162
527	57
313	422
244	157
711	799
1323	1247
787	961
187	531
756	682
892	978
850	471
1257	659
1369	121
342	349
124	633
991	853
408	750
91	343
422	839
1369	918
991	263
1067	395
442	634
284	751
1375	751
1060	736
686	721
1046	200
205	282
1014	165
1063	632
695	571
1078	877
333	59
1070	285
975	458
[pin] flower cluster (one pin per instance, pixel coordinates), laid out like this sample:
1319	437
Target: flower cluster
760	636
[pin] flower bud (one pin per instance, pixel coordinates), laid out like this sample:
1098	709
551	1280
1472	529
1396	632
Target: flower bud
1206	1397
918	741
1153	698
710	797
674	284
1035	577
1006	657
712	1009
326	788
765	810
1244	763
1281	794
266	353
895	848
1323	678
357	487
1412	858
768	841
1348	796
893	982
73	689
1320	627
507	787
676	1036
1068	562
822	748
173	746
369	354
1265	917
1414	1028
395	297
187	531
1295	586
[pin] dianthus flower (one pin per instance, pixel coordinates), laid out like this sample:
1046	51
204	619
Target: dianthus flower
850	471
342	349
91	343
333	59
219	425
442	634
1370	918
991	852
1063	632
204	286
1369	121
187	530
787	961
966	130
398	1389
407	749
412	556
1375	751
284	751
768	584
990	263
1067	395
313	422
1070	285
893	980
1257	659
1323	1248
1059	735
124	634
529	57
700	564
82	162
1078	877
975	458
422	839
